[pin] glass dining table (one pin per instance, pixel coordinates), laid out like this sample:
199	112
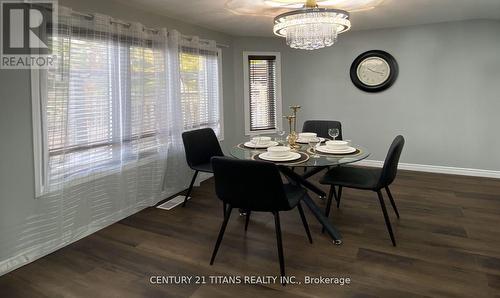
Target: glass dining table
312	163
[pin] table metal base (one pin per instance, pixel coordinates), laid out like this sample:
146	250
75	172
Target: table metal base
298	179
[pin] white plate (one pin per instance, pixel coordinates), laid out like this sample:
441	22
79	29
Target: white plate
306	142
324	149
292	156
261	146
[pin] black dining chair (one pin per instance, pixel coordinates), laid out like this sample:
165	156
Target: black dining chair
256	186
320	127
368	179
200	146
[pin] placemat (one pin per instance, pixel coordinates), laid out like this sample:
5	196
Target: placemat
303	158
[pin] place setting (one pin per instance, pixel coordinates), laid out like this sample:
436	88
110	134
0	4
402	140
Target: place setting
334	148
259	143
306	137
282	154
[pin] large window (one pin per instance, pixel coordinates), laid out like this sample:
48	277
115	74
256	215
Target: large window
100	110
112	96
262	76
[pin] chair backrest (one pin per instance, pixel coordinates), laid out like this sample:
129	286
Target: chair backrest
249	184
391	162
321	127
200	146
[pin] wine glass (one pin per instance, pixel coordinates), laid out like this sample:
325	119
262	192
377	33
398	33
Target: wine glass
334	133
313	143
280	134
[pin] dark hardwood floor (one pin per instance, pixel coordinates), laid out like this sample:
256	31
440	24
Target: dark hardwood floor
448	246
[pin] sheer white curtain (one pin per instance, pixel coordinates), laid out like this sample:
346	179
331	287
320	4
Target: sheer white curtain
112	119
107	118
193	92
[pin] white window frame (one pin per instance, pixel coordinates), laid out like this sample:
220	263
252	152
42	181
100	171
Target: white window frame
221	95
40	156
246	90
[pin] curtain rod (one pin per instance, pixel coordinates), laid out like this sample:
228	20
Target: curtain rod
116	21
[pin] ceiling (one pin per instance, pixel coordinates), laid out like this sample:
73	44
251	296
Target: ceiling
255	18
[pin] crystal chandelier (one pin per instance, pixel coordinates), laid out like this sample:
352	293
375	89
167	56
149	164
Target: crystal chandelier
311	27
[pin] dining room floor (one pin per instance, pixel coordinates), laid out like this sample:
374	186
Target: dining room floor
448	246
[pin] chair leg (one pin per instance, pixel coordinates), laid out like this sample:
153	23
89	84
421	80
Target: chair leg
386	217
224	207
221	234
304	222
280	244
339	196
247	220
190	189
392	201
329	203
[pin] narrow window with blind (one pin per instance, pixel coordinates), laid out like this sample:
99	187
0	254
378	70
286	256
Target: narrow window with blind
262	92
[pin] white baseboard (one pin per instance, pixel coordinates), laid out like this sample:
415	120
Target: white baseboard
435	169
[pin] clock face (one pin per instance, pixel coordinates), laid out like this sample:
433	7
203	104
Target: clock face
373	71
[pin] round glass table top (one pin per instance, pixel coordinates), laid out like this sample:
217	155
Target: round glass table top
308	158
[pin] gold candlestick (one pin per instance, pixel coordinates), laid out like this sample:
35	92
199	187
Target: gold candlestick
295	109
292	137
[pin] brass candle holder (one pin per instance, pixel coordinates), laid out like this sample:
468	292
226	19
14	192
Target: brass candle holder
295	109
292	137
292	124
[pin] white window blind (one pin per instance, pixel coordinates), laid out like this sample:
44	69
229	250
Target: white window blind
263	90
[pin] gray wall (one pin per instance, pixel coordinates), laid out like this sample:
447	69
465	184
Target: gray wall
445	102
17	201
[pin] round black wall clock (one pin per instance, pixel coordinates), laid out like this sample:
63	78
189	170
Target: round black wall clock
374	71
